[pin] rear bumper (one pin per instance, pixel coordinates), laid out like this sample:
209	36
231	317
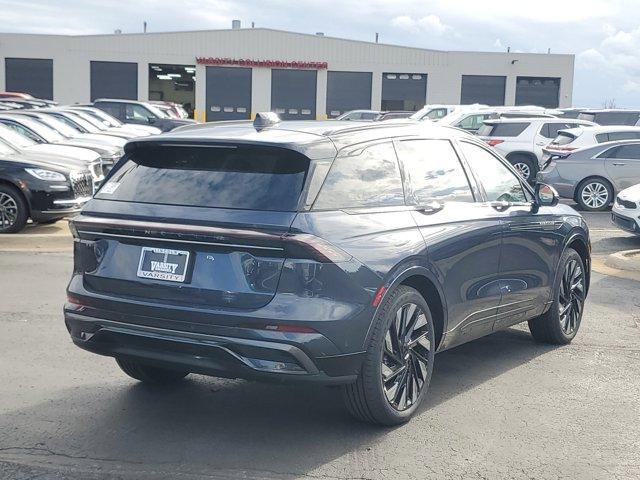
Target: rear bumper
275	360
564	187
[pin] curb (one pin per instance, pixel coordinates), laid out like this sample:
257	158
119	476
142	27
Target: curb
628	260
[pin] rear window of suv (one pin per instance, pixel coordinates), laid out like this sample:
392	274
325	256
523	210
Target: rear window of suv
241	177
502	129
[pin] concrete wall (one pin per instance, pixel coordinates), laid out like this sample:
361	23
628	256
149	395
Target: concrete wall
71	56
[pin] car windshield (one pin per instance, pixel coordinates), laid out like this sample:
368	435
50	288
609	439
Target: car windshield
82	123
48	133
58	126
5	149
88	118
104	117
156	111
14	138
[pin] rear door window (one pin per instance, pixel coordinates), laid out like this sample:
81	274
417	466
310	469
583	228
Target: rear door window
432	171
631	152
243	177
503	129
369	177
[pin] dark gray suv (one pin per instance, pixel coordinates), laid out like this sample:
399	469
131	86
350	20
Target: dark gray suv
328	252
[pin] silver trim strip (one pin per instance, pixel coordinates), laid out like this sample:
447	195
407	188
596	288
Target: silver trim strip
75	201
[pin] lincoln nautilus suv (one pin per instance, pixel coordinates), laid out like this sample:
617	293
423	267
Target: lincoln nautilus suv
342	253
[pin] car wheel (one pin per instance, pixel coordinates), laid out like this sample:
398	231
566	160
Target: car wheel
524	166
149	374
13	210
561	322
594	194
396	371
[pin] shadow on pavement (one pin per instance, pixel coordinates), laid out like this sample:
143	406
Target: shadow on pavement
217	425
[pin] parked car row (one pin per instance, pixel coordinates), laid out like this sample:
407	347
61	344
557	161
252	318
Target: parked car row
53	158
587	155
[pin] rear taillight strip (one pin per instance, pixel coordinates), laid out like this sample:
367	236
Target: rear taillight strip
174	240
157	227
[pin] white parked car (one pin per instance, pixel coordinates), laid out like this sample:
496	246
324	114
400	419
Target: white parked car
626	210
436	112
575	138
521	140
471	120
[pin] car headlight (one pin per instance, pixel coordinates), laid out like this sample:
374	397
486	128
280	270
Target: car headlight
46	175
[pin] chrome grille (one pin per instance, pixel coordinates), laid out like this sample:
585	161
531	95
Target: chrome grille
82	184
626	203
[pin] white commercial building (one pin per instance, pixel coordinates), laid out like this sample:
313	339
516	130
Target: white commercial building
231	74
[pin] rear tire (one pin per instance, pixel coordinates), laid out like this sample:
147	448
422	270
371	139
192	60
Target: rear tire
150	374
594	194
560	324
398	364
525	166
14	211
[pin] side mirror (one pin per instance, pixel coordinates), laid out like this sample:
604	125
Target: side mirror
546	195
151	120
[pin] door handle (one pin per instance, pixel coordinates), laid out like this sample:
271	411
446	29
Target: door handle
619	164
431	207
540	144
500	205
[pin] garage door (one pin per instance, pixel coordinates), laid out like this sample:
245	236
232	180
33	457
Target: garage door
404	91
485	89
30	75
348	91
114	80
228	93
293	94
541	91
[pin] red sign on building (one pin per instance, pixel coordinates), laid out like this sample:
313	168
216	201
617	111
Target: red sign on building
261	63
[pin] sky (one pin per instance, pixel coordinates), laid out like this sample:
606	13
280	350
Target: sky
604	35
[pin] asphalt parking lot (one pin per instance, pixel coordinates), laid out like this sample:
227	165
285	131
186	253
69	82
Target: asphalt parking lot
499	407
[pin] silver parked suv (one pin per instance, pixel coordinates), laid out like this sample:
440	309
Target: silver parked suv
521	140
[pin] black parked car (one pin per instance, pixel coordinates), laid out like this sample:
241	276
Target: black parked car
140	113
331	252
31	187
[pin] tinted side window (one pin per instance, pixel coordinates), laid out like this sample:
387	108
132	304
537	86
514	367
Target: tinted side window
627	151
544	131
368	178
472	122
602	137
623	136
113	109
137	112
498	181
432	171
552	129
503	129
368	116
